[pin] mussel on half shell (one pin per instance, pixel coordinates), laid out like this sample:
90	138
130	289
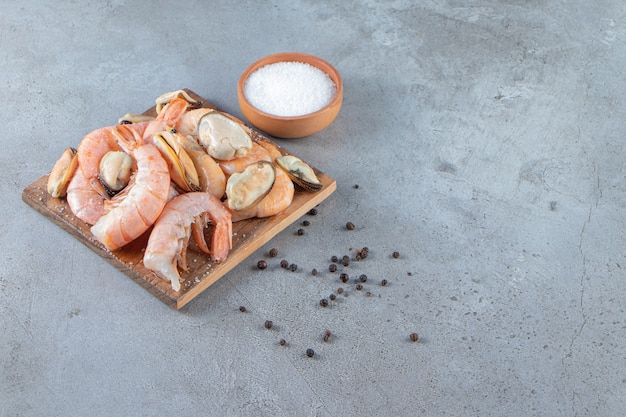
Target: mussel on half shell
222	137
62	173
115	171
299	172
249	186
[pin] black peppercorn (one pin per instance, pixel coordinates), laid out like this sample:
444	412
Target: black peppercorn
332	297
313	212
242	309
356	186
282	342
332	267
261	264
284	264
396	254
300	232
306	223
350	226
363	278
314	272
334	259
383	282
413	337
339	290
293	267
345	260
268	324
310	352
359	287
324	302
343	277
327	335
273	252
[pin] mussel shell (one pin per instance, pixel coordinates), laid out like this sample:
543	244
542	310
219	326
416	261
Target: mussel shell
222	137
299	172
249	186
165	98
115	171
182	170
62	173
130	118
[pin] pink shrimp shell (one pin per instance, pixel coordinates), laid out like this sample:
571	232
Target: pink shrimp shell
166	244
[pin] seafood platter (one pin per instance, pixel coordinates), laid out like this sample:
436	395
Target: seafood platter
177	196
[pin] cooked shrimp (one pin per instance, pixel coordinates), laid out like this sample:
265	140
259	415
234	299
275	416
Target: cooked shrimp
167	119
212	178
99	142
167	244
279	197
144	200
85	202
257	153
188	123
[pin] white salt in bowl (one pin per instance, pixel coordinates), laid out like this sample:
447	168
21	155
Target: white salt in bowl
294	94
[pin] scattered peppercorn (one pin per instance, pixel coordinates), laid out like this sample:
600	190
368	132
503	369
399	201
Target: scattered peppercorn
310	352
343	277
356	186
332	267
363	278
359	287
306	223
369	294
334	259
284	264
350	226
314	272
383	282
413	337
324	302
261	264
396	254
362	253
282	342
242	309
332	297
268	324
313	212
300	232
327	334
293	267
273	252
340	290
345	260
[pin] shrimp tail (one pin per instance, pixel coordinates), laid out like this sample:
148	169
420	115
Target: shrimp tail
198	232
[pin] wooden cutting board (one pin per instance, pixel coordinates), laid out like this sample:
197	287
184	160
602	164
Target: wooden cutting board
248	235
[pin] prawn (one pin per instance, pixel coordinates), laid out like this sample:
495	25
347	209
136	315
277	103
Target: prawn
167	119
85	202
257	153
167	244
278	198
188	123
144	199
98	143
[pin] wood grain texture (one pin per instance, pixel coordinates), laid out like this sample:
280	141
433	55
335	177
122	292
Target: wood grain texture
248	236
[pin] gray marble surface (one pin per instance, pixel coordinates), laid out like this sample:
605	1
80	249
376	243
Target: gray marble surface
487	141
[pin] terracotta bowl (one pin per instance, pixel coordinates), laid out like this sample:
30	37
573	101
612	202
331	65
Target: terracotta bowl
291	126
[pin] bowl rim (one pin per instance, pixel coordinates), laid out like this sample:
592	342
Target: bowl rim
292	57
